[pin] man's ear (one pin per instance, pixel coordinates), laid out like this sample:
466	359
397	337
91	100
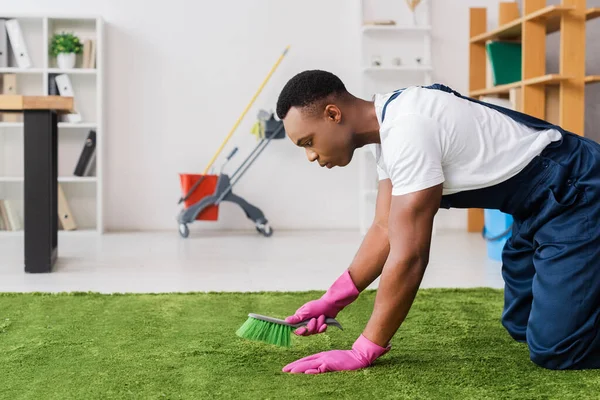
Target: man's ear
333	113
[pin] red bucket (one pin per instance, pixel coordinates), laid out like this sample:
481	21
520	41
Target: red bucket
206	188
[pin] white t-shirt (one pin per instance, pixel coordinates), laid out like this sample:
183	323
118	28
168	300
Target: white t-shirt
430	137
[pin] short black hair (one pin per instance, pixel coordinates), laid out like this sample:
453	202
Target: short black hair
307	88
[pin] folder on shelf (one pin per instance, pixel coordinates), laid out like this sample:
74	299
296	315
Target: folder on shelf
505	60
17	43
65	216
3	44
9	86
66	89
87	155
13	218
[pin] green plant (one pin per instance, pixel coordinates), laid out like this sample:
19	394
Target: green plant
65	43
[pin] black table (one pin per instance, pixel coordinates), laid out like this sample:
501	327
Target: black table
40	175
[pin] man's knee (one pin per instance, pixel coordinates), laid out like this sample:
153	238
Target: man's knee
549	360
516	331
572	353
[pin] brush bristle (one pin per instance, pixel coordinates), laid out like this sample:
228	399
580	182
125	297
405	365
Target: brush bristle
268	332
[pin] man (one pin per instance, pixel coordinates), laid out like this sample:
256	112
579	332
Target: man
436	148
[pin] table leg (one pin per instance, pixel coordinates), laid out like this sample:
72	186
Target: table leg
41	190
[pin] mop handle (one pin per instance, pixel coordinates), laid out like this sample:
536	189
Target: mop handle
246	160
262	145
246	110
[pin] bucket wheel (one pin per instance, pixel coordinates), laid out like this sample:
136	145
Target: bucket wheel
184	231
264	229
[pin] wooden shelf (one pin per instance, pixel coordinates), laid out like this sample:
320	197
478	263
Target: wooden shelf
538	95
592	79
9	102
500	89
546	79
551	15
592	13
551	79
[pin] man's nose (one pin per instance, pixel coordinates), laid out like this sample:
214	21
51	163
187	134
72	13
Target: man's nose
311	155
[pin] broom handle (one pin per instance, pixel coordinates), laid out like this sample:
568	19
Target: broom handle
246	110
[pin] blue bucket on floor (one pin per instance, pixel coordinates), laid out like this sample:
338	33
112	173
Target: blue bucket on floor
496	231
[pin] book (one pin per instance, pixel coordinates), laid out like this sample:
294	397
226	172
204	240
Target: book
4	215
505	61
87	155
87	47
13	218
93	54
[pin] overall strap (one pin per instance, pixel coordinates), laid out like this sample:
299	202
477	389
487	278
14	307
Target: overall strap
392	97
525	119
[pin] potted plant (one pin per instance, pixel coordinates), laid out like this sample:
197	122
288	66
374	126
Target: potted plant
65	46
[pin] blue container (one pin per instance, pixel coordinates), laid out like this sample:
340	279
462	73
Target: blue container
496	231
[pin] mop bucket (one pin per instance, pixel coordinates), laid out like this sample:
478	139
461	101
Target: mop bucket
496	231
206	188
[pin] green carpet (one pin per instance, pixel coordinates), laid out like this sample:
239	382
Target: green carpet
183	346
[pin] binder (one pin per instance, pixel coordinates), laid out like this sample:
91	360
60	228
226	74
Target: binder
65	216
3	44
66	89
15	36
4	216
13	218
87	155
91	167
9	83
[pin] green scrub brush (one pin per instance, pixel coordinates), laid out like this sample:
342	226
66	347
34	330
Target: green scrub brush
272	330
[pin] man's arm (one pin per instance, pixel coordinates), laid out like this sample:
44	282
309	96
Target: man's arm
410	227
374	250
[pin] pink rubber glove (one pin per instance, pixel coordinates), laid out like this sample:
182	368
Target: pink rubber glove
363	353
339	295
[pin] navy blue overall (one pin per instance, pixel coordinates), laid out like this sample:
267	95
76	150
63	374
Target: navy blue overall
551	263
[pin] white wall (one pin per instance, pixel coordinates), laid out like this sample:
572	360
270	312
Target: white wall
179	74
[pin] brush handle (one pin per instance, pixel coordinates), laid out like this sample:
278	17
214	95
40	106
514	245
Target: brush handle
328	321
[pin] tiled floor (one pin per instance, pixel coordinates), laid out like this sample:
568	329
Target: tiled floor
288	261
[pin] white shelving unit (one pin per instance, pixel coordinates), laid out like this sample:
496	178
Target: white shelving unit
403	52
84	194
